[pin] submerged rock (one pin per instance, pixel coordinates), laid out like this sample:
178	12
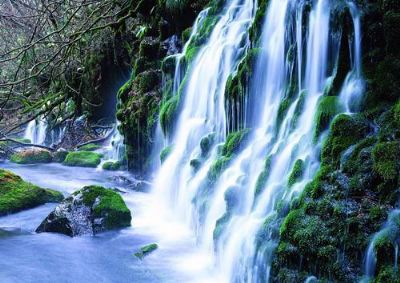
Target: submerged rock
17	195
112	166
146	250
88	211
31	156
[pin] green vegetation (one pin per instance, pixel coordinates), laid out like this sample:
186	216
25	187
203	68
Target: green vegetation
106	204
146	250
90	147
328	108
31	156
165	153
83	159
297	172
112	166
386	157
17	195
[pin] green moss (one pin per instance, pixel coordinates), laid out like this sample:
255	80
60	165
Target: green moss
17	195
388	274
218	167
110	206
59	156
234	142
263	178
168	112
112	166
344	132
90	147
83	159
146	250
297	172
328	107
31	157
386	158
165	153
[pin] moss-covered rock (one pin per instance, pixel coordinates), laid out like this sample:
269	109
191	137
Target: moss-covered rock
386	158
31	156
83	159
91	210
59	156
112	165
297	172
90	147
146	250
165	153
17	195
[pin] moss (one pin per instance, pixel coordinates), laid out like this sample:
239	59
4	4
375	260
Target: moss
31	156
106	204
386	159
17	195
344	132
112	166
263	178
328	108
218	167
388	274
146	250
220	226
234	142
83	159
165	153
168	113
59	156
297	172
90	147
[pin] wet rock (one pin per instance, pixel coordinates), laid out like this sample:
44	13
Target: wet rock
31	156
88	211
17	195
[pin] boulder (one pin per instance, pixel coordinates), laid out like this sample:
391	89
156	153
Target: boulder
83	159
17	195
88	211
31	156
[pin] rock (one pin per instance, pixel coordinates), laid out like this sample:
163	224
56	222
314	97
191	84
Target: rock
17	195
146	250
112	166
90	147
60	155
83	159
31	156
88	211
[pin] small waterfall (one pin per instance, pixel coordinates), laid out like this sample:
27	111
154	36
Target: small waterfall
36	131
391	232
354	85
116	146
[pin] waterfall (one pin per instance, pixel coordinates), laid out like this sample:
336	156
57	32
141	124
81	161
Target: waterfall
296	64
116	146
36	131
354	85
389	231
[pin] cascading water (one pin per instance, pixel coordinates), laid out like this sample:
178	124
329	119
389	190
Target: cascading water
354	85
294	68
116	146
36	131
203	110
390	231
